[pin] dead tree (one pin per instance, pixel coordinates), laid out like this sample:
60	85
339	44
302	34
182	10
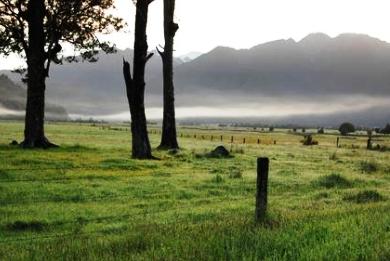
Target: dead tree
135	86
169	136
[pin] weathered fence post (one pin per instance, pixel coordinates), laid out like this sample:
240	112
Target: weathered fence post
258	141
221	138
232	139
337	142
261	189
212	137
274	142
243	142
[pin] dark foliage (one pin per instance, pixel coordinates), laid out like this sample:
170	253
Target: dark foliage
346	128
74	22
386	129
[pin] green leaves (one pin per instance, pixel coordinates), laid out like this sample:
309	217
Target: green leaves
73	22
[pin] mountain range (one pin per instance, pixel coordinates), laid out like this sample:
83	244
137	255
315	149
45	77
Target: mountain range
318	75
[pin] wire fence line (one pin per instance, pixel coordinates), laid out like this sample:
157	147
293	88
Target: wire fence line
118	217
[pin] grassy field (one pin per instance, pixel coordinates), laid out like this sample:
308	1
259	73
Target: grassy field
89	201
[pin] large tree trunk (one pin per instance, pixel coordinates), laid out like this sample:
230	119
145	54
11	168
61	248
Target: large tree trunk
169	135
34	135
135	86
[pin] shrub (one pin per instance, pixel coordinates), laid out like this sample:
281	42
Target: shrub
321	131
365	197
309	141
334	181
346	128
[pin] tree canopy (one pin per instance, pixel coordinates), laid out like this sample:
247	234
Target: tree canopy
346	128
74	22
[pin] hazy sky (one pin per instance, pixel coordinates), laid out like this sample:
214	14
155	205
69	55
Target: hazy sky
205	24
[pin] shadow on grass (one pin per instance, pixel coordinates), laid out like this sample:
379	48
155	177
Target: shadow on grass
19	226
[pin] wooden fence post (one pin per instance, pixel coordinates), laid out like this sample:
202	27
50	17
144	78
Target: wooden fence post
337	142
221	138
243	142
232	139
258	141
369	144
261	189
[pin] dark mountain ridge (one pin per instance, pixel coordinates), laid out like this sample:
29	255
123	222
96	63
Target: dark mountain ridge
349	69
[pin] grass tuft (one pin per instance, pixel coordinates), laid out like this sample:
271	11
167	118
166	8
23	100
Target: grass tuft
125	164
333	156
217	179
368	166
366	196
333	181
161	174
235	173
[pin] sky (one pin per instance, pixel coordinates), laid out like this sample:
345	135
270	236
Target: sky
205	24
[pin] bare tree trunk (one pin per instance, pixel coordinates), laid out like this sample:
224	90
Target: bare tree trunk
34	135
135	87
169	135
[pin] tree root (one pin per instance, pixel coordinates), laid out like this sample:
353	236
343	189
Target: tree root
42	143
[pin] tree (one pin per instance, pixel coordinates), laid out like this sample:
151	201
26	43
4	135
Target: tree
386	129
37	30
169	135
346	128
135	86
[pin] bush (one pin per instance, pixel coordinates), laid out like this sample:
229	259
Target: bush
309	141
346	128
321	131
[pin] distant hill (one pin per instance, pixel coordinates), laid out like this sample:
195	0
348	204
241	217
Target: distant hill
13	102
348	73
